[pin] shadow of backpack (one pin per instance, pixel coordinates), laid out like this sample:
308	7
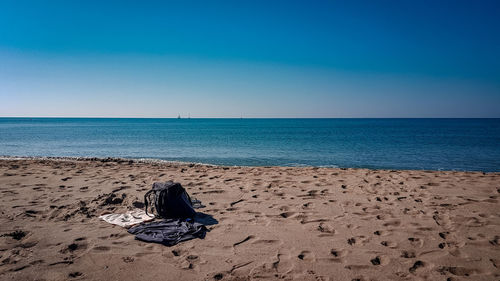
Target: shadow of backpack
168	200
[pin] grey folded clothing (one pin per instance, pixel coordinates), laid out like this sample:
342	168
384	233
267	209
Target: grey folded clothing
168	232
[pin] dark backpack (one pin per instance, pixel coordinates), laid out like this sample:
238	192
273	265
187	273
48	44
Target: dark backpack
168	200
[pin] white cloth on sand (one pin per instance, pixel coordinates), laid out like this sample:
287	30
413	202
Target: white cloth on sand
128	219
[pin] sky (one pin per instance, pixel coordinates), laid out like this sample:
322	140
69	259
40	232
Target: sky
252	59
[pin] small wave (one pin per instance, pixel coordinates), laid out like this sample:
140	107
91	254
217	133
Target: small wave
144	160
296	165
328	166
307	165
102	159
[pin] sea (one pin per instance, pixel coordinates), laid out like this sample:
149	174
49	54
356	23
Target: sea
423	144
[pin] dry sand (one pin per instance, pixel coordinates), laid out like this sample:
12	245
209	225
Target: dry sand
273	222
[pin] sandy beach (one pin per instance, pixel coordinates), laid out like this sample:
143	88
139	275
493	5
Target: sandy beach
272	223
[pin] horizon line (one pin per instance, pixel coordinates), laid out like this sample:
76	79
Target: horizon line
109	117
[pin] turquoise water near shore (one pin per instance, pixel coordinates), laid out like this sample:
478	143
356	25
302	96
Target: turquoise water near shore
434	144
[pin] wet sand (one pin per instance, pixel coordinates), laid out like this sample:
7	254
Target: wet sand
273	223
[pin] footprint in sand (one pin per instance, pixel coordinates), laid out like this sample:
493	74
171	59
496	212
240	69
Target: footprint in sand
376	260
392	223
78	245
281	265
351	241
408	254
389	244
382	233
287	214
416	242
244	240
326	229
128	259
418	264
307	205
190	261
75	274
306	256
267	242
358	240
338	255
458	271
101	248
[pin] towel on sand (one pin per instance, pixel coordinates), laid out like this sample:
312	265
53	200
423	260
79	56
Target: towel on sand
128	219
169	232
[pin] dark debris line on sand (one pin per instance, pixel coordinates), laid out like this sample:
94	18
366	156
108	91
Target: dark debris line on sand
18	234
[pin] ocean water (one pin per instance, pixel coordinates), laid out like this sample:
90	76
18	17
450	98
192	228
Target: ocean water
433	144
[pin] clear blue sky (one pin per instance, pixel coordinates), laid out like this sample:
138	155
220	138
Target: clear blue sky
250	58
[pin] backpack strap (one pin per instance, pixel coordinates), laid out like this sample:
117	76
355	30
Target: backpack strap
161	204
158	203
146	203
189	198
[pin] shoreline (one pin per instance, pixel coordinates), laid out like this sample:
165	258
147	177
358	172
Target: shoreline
185	163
